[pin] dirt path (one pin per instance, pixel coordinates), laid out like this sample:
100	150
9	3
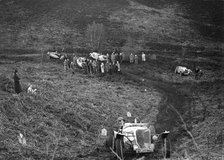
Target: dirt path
167	119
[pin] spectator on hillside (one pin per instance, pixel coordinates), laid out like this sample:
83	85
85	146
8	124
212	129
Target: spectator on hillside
136	59
65	65
143	57
72	66
91	67
17	85
113	58
94	66
118	67
121	57
102	68
198	73
87	66
116	57
131	58
75	60
107	66
110	68
108	57
98	66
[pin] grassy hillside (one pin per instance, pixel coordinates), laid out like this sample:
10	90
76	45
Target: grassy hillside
72	107
64	119
66	115
62	23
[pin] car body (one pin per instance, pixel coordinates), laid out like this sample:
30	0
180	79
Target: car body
138	138
182	71
81	61
98	56
54	55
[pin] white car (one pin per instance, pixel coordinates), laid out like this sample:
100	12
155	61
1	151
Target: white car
138	138
81	61
54	55
98	56
182	71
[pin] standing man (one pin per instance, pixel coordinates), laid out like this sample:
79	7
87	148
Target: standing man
107	67
94	66
75	60
91	67
72	66
110	68
143	57
118	67
17	85
116	57
131	58
113	58
198	73
102	68
136	59
98	66
121	57
65	65
87	66
108	57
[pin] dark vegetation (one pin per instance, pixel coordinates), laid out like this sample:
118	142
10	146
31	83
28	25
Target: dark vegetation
63	120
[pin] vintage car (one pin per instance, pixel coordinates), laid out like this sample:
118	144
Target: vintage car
98	56
183	71
138	138
81	61
54	55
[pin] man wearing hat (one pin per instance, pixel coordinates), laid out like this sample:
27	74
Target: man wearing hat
121	123
17	85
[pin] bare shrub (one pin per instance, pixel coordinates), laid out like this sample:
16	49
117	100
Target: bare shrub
153	57
95	35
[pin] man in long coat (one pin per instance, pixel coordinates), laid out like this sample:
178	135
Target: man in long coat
18	88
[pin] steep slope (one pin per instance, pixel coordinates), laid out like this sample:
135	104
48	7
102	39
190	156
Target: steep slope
45	24
65	117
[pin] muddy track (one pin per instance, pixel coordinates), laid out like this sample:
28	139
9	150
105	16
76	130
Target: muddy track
167	119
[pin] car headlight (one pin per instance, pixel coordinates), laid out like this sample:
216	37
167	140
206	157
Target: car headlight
135	147
155	138
131	138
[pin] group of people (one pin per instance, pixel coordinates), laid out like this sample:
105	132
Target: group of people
112	63
92	66
96	66
135	59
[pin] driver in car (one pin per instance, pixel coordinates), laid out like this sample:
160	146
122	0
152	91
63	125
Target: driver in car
121	122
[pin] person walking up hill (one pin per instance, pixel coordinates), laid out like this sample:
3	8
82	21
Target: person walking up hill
18	88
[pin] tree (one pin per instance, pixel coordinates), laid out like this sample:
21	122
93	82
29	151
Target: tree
95	35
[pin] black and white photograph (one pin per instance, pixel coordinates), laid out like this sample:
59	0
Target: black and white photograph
111	79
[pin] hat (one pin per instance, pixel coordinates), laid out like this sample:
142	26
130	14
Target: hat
120	118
